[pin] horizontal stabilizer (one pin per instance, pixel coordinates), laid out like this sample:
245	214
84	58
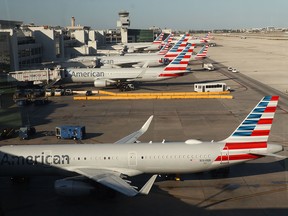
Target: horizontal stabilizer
270	155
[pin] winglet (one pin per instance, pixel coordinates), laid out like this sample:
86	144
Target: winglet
147	187
146	125
131	138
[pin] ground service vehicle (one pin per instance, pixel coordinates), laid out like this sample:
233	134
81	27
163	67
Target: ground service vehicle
208	66
70	132
68	92
88	93
211	87
48	93
26	132
58	92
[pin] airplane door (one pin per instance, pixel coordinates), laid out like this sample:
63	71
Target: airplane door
132	159
225	155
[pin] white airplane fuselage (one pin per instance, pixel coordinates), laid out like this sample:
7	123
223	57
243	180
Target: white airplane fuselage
135	74
151	59
129	159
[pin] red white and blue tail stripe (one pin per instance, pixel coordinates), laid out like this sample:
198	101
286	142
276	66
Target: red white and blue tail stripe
164	49
202	53
159	39
177	48
256	126
252	134
207	36
168	39
179	64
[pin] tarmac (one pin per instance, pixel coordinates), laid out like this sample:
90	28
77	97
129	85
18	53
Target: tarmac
255	188
261	57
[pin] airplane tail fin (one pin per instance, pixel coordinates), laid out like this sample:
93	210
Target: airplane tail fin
168	39
164	49
177	48
207	36
179	64
203	52
254	131
159	39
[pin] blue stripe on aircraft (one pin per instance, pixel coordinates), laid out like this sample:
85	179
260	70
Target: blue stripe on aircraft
242	133
258	110
263	104
254	116
246	127
267	98
250	122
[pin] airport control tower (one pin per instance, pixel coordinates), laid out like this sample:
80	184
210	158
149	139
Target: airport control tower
123	23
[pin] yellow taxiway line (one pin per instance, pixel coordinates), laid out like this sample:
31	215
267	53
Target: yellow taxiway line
104	95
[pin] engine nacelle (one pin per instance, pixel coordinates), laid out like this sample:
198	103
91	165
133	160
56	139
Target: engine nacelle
102	83
69	187
193	142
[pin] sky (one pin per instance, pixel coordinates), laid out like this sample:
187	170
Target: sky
175	14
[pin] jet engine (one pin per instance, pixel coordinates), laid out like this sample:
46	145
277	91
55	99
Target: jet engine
193	141
71	187
102	83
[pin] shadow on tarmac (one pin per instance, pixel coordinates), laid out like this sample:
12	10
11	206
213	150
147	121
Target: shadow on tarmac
39	199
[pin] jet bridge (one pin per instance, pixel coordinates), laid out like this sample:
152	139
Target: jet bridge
48	76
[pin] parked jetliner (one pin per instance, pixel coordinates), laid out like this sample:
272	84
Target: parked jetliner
153	59
129	59
157	46
200	41
103	77
132	47
110	164
201	54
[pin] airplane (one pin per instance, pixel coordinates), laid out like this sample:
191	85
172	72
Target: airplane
201	54
130	59
166	43
157	46
121	77
110	164
200	41
132	47
153	59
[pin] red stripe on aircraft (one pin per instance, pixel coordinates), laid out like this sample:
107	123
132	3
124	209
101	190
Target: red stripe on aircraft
175	69
171	75
265	121
274	98
270	110
248	145
237	157
260	133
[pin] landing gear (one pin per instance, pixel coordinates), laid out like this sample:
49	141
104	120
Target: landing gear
126	87
172	177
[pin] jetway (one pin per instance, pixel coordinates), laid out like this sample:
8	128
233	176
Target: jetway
46	76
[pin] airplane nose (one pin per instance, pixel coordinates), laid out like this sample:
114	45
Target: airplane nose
274	148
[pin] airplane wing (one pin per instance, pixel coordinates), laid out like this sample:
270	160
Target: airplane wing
113	180
131	138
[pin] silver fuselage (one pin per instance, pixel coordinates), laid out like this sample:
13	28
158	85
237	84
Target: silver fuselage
129	159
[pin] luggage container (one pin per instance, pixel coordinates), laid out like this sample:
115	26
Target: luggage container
70	132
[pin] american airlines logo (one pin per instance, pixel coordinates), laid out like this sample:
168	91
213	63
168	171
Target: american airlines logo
33	160
87	74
